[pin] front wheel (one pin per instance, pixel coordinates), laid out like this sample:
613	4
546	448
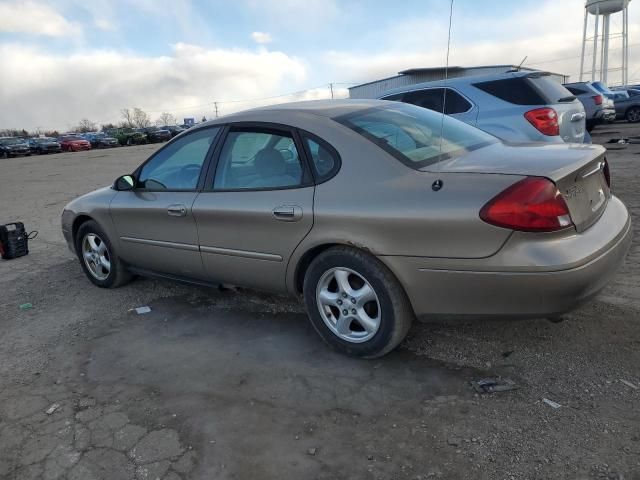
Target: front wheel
355	303
633	115
98	259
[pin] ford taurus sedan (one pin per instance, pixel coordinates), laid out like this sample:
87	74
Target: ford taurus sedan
374	212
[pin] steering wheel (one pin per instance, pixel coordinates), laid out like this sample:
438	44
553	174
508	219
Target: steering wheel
188	175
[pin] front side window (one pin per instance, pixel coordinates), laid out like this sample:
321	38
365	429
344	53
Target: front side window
416	136
258	159
178	165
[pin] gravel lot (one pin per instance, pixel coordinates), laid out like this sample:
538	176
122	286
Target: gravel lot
237	385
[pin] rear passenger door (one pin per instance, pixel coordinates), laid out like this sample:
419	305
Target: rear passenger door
444	98
256	206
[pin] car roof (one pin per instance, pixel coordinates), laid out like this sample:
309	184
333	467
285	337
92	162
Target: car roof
322	108
464	80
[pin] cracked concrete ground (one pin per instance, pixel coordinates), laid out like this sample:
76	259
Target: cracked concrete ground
237	385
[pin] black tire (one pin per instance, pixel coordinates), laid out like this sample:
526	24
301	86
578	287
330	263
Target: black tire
396	313
118	275
633	115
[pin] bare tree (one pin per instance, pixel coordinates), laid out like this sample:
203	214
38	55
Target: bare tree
86	125
166	118
127	115
140	118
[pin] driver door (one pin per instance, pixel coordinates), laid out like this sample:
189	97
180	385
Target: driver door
155	223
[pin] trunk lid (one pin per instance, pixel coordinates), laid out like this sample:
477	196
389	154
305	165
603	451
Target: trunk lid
571	120
577	171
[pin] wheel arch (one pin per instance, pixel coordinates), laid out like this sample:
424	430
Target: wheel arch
79	220
305	259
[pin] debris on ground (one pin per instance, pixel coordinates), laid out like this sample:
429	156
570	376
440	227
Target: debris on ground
551	403
52	408
454	441
495	384
141	310
629	384
26	306
312	451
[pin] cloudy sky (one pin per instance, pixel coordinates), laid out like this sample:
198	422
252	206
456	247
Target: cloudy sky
63	60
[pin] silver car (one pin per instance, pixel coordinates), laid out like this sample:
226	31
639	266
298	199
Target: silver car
598	108
375	212
516	107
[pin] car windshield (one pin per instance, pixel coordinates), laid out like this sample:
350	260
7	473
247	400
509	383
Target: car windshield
552	90
72	137
412	134
44	139
12	141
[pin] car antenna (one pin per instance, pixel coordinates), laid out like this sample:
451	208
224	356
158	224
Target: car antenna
522	63
437	185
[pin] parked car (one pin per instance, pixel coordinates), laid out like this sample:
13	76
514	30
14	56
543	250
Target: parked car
628	106
100	140
155	134
513	106
365	210
598	108
173	129
73	143
14	147
128	136
43	145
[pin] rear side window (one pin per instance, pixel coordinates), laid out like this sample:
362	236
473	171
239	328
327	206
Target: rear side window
325	159
434	99
513	90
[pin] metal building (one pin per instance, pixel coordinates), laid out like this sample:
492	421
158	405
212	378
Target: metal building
418	75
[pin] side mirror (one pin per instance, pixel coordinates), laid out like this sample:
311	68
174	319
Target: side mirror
124	183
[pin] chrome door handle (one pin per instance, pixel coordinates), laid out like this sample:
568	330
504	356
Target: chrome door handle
177	210
288	213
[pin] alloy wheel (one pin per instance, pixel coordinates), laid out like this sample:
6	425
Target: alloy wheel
348	305
96	256
634	115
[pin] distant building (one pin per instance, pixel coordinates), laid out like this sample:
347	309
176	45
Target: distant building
418	75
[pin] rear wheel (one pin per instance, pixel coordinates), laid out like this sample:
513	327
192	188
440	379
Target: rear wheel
97	257
355	303
633	115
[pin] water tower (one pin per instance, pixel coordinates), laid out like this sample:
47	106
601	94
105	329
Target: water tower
602	11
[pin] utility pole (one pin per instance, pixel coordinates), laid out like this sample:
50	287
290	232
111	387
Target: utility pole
331	88
215	104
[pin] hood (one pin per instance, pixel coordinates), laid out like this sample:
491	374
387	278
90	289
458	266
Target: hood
551	160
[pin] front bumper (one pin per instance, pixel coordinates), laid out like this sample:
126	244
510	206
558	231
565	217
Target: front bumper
529	277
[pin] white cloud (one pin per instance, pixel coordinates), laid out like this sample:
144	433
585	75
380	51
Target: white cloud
544	33
261	37
36	19
55	91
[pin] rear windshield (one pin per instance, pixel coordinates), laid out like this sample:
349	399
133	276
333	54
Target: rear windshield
541	90
412	134
552	90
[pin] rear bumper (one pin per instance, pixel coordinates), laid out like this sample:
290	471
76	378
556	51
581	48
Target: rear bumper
530	277
605	115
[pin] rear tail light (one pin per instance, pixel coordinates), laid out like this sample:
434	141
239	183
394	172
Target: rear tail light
545	120
607	173
531	205
597	99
